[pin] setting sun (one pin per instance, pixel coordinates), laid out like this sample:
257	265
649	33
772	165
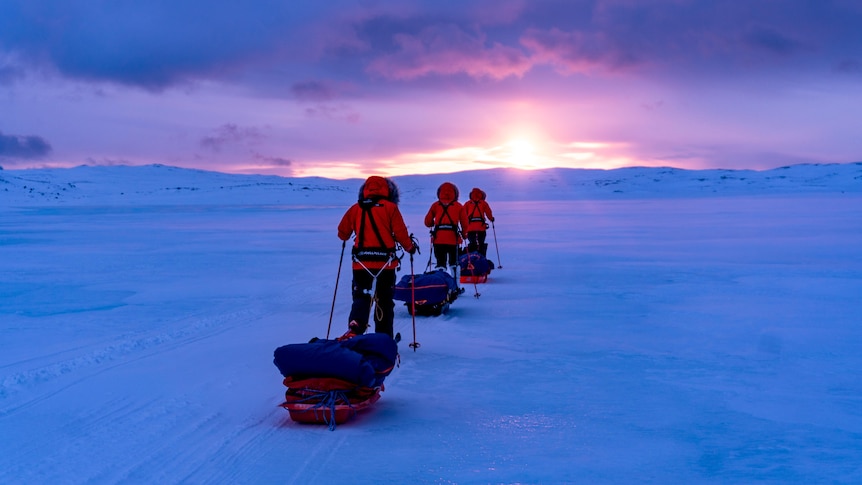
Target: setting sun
519	153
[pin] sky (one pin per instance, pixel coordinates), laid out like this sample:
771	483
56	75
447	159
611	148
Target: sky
352	88
674	327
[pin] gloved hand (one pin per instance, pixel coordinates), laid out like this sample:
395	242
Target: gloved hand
491	219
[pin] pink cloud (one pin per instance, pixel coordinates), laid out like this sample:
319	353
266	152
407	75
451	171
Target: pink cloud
576	52
448	50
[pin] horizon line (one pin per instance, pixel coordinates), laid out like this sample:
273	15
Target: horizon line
365	175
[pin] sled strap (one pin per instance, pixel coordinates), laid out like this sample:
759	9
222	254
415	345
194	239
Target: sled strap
374	307
324	400
331	400
372	273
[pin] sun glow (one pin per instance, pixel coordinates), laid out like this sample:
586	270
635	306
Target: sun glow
521	152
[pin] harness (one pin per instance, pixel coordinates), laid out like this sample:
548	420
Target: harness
370	253
451	226
474	216
363	254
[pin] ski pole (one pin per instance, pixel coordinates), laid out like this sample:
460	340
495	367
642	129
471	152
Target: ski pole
494	230
458	252
473	277
414	345
430	253
337	277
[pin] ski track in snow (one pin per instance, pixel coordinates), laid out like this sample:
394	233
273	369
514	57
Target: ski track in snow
669	338
119	353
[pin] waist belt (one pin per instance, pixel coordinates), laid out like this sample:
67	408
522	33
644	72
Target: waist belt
373	254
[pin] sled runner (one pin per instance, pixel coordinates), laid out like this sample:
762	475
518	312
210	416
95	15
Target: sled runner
329	381
433	292
475	268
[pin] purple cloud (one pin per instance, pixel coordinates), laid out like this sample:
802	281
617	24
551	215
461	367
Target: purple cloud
274	161
152	45
339	112
158	44
771	41
849	66
574	52
313	91
361	81
449	50
230	134
23	147
9	74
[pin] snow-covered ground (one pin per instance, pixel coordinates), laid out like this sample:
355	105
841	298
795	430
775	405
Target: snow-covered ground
646	326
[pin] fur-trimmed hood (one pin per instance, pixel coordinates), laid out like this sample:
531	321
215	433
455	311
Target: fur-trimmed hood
375	188
477	194
447	193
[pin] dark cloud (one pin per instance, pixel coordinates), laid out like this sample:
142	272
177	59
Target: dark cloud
161	43
653	106
275	161
9	74
229	134
772	41
108	162
23	147
607	36
340	112
274	165
313	91
729	36
849	66
320	95
152	44
448	50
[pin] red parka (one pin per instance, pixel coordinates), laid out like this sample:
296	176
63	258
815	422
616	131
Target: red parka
377	208
446	216
476	210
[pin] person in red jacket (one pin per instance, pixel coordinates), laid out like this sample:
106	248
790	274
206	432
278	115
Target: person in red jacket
475	211
378	225
446	220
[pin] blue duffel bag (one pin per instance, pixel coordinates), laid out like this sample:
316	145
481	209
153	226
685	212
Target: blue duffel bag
433	292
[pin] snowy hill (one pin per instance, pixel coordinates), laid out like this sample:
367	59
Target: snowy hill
151	184
646	326
159	184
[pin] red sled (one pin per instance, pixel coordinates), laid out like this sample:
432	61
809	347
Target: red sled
326	400
475	267
474	279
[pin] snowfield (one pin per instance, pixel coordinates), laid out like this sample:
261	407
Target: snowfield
647	326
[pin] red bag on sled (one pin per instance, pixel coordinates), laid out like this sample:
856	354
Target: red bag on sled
475	268
329	381
326	400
